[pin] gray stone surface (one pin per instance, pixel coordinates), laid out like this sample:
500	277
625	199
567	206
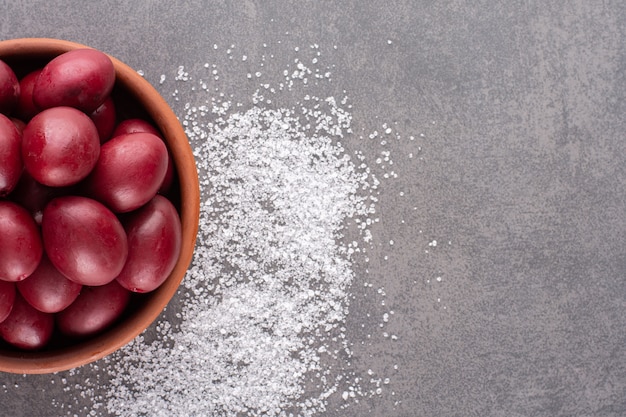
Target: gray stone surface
520	179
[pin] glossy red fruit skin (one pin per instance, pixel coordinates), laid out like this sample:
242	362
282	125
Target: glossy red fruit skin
135	126
11	165
26	327
9	89
20	242
104	117
95	309
154	242
81	78
7	297
84	240
26	109
129	172
47	289
140	125
60	146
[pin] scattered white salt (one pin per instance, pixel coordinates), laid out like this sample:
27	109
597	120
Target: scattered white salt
262	327
269	273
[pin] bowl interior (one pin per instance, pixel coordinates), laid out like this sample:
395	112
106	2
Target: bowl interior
134	97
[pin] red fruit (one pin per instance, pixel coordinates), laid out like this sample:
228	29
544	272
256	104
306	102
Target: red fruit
9	89
141	125
84	240
129	172
60	146
26	109
7	297
154	241
47	289
26	327
11	165
135	126
20	242
95	309
81	78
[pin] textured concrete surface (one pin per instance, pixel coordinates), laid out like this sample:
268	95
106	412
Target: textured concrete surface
520	179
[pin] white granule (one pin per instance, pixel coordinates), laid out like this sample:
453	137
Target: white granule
267	293
181	74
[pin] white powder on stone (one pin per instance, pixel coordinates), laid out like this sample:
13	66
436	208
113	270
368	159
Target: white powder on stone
267	294
285	213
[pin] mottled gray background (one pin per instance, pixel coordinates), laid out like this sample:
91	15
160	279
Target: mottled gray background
520	179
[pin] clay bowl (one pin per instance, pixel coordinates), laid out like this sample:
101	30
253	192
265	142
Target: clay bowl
135	96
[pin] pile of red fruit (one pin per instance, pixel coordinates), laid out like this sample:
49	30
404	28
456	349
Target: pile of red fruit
85	215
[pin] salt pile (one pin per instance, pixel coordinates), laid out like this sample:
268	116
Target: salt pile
268	288
284	211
